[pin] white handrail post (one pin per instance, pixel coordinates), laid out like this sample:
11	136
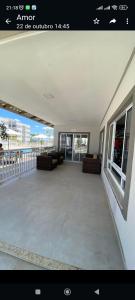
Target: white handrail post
19	161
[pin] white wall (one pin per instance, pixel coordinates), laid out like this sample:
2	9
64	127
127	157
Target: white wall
126	229
94	135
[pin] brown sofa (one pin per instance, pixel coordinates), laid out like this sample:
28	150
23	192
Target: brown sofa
45	162
91	164
57	155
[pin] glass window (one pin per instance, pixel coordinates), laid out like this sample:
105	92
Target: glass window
116	175
110	141
101	143
62	141
84	146
118	147
119	140
126	144
69	140
123	184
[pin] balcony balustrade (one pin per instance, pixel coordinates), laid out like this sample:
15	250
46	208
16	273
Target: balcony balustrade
16	162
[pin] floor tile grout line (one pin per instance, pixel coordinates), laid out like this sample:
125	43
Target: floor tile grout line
33	258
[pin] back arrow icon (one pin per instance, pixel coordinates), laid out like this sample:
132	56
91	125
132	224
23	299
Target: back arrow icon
97	292
8	21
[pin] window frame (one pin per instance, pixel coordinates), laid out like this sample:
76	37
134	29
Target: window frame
110	162
101	143
121	197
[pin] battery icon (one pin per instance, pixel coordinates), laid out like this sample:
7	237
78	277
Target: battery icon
123	7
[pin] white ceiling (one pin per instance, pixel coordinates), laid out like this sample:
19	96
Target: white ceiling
64	77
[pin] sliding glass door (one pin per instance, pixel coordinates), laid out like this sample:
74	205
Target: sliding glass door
80	146
84	145
69	146
74	145
66	145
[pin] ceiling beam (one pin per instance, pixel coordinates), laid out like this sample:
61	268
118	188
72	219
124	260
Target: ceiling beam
18	111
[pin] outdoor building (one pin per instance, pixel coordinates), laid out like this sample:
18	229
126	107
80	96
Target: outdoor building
23	130
75	203
25	134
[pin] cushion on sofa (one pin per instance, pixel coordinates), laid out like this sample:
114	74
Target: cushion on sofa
89	155
54	161
44	154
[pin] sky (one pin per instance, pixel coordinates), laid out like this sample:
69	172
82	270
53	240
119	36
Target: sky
36	127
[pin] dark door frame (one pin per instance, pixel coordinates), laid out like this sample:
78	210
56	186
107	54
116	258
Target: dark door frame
74	132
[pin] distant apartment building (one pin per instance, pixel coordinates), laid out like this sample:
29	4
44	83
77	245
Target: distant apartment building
49	132
23	129
26	133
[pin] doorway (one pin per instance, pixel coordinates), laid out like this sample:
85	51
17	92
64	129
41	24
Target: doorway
74	145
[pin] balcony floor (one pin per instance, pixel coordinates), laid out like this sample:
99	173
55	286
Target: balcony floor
7	262
61	214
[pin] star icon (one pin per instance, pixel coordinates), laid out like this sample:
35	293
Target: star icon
96	21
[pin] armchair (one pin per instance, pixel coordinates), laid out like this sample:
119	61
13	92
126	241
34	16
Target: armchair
91	165
46	162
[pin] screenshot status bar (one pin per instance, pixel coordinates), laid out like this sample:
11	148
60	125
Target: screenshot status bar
67	15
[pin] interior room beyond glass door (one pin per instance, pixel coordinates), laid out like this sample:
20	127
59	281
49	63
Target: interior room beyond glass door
80	146
74	145
84	140
69	146
66	144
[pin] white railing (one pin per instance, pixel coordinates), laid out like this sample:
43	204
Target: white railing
15	162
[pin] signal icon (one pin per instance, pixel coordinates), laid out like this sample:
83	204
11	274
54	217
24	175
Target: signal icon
107	8
100	7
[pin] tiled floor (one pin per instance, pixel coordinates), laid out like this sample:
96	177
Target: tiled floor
63	215
8	262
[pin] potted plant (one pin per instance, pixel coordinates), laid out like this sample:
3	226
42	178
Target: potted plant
3	133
